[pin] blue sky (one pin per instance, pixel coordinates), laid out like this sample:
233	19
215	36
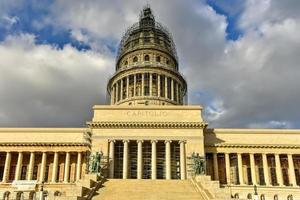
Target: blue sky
239	58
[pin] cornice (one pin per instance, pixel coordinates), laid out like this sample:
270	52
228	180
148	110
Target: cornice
44	144
169	125
262	146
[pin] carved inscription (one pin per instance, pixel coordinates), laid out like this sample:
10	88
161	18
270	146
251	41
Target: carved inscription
146	113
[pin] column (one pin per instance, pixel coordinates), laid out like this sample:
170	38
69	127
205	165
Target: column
266	169
168	159
158	85
278	170
240	168
78	167
112	95
43	167
216	168
6	167
31	166
117	91
121	96
150	84
19	166
127	87
227	168
134	85
172	89
67	167
111	158
252	167
139	159
182	160
177	91
55	167
166	87
125	159
153	159
143	85
292	177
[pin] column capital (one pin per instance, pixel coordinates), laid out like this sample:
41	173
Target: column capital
125	141
182	141
153	141
114	141
139	141
167	141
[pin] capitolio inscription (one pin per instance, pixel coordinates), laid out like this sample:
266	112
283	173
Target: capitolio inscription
146	113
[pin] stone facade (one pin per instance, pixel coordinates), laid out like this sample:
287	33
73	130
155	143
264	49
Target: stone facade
148	132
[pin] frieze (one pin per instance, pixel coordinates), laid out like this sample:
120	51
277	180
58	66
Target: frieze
275	146
191	125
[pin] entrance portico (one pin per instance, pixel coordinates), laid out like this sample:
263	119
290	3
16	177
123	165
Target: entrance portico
149	142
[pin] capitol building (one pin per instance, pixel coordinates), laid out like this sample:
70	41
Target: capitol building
152	144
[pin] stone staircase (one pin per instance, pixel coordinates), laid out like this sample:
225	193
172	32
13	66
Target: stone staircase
133	189
210	189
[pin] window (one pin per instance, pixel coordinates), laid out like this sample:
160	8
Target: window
157	58
147	58
275	197
290	197
168	62
135	59
262	197
23	172
126	63
34	174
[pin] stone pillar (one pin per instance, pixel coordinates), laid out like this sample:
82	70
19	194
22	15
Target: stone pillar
227	167
139	159
78	167
117	92
31	166
125	159
19	166
150	84
127	87
166	87
112	95
240	168
6	167
172	89
216	168
168	159
43	167
177	91
278	170
153	159
121	95
55	167
134	85
158	85
252	166
292	177
182	160
111	158
67	167
266	169
143	85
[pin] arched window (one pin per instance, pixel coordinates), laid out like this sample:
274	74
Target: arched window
32	196
168	62
276	197
6	195
249	196
146	58
126	62
236	196
157	58
262	197
290	197
135	59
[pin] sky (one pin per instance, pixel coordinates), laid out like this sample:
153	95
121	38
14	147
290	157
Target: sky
240	58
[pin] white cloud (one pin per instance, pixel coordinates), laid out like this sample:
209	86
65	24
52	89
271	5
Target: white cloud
41	85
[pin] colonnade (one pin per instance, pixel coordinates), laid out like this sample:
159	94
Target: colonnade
38	169
147	84
167	158
254	169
